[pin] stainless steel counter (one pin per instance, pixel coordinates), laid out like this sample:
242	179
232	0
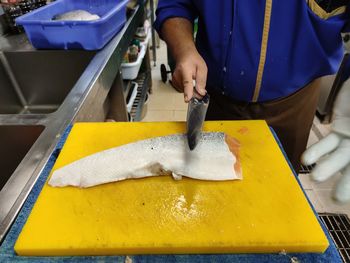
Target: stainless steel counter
15	42
36	115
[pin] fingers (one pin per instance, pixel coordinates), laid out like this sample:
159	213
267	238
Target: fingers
191	68
342	191
334	163
196	94
182	80
201	79
187	83
324	146
176	80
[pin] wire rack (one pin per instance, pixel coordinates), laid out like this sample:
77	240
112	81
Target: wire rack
338	226
142	89
306	169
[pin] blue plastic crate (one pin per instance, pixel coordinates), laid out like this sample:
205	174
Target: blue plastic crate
45	33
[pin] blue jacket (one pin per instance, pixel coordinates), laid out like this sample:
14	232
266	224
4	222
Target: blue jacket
260	50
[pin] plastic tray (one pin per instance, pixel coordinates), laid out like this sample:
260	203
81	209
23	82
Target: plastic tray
45	33
131	70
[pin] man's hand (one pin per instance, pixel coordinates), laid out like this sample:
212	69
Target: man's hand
334	149
190	66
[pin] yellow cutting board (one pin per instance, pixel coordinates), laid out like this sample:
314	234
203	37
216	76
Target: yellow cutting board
265	212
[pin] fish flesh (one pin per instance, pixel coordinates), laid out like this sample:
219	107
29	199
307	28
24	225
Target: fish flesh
216	157
76	15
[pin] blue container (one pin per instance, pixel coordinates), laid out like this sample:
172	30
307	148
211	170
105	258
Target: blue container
45	33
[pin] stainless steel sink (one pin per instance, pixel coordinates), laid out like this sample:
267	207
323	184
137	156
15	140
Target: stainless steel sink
15	141
23	92
41	94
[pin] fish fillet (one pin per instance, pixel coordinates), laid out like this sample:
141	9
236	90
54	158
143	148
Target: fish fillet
216	157
76	15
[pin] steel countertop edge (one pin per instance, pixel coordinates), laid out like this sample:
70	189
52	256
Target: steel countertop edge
98	76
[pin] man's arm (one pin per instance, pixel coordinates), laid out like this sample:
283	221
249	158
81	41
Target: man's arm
174	24
177	31
178	34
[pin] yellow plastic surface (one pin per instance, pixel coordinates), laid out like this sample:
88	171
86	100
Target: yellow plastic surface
265	212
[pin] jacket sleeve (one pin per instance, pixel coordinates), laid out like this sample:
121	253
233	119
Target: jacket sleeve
174	8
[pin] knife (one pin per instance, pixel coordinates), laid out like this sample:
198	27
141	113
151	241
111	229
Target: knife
197	109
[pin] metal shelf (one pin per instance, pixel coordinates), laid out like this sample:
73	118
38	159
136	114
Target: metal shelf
142	81
126	87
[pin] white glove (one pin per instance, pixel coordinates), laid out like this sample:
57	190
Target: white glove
337	145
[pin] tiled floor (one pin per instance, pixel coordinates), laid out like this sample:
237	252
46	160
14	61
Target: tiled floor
166	104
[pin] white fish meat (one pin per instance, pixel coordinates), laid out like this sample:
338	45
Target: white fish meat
76	15
216	157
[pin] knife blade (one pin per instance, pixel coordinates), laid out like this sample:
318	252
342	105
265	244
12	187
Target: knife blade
197	109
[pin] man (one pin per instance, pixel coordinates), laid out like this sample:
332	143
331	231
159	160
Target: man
258	59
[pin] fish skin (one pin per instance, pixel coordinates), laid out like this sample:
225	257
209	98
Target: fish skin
76	15
213	159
